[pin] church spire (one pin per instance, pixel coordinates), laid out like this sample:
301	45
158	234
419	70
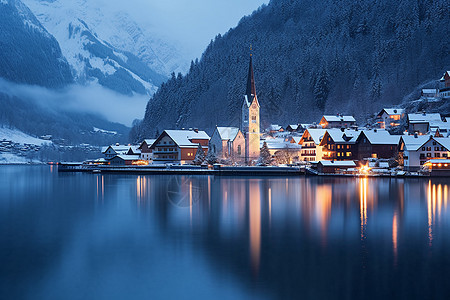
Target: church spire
251	90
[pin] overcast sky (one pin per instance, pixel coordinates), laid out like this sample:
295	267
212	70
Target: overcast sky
192	23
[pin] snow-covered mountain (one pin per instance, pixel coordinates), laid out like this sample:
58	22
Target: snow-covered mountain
105	45
29	54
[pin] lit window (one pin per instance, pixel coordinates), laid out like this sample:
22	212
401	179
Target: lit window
349	154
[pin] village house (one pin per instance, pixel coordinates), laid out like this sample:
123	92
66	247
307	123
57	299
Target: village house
444	89
146	151
228	143
376	144
309	142
337	121
117	149
421	123
390	117
417	150
125	159
333	167
339	144
282	148
178	146
429	93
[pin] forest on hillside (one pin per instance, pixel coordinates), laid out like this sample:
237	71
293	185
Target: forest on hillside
310	57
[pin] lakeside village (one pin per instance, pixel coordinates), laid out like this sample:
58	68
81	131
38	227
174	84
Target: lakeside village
334	145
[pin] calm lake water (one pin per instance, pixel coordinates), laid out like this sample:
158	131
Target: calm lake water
86	236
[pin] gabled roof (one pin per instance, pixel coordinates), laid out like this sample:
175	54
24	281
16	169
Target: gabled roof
446	73
227	133
119	149
275	127
338	163
424	117
293	127
183	137
413	143
338	118
127	157
381	137
279	143
392	111
347	136
315	133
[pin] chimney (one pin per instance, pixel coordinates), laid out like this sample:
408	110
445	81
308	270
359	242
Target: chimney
196	130
374	130
415	135
395	111
117	144
342	129
190	128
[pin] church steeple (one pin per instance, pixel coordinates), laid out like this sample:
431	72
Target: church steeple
251	90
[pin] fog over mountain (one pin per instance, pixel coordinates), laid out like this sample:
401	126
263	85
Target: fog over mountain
310	57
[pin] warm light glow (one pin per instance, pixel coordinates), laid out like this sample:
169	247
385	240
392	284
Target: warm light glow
140	163
363	204
255	224
364	169
395	236
323	206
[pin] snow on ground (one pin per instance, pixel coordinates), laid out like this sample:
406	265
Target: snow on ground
104	131
9	158
20	137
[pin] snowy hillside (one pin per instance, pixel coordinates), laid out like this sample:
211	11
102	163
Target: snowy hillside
29	54
19	137
107	46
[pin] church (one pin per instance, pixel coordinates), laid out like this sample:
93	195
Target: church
241	144
250	118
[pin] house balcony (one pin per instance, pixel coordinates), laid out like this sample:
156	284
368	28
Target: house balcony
165	151
308	147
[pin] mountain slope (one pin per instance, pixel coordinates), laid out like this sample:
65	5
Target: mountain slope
107	46
310	57
29	54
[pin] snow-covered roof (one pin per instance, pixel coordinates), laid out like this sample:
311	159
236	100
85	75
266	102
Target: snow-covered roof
183	137
279	143
128	157
275	127
119	149
443	77
392	111
149	142
297	139
228	133
338	135
381	137
342	163
413	143
439	161
423	117
294	127
339	118
135	149
429	91
316	134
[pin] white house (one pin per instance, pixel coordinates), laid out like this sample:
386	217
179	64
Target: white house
390	117
228	142
337	121
310	141
421	123
113	150
418	149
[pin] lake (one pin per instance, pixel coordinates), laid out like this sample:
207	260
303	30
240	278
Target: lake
116	236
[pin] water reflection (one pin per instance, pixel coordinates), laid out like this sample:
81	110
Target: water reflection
263	237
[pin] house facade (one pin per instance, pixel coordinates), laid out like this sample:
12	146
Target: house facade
376	144
310	144
390	117
111	151
417	150
228	143
146	151
339	144
178	146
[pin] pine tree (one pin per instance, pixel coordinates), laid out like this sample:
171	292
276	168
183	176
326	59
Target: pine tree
199	156
265	158
211	157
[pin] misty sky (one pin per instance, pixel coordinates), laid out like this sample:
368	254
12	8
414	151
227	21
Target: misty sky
192	23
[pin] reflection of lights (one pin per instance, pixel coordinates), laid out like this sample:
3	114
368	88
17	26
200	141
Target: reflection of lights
270	205
395	236
255	224
323	206
190	200
430	220
363	204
